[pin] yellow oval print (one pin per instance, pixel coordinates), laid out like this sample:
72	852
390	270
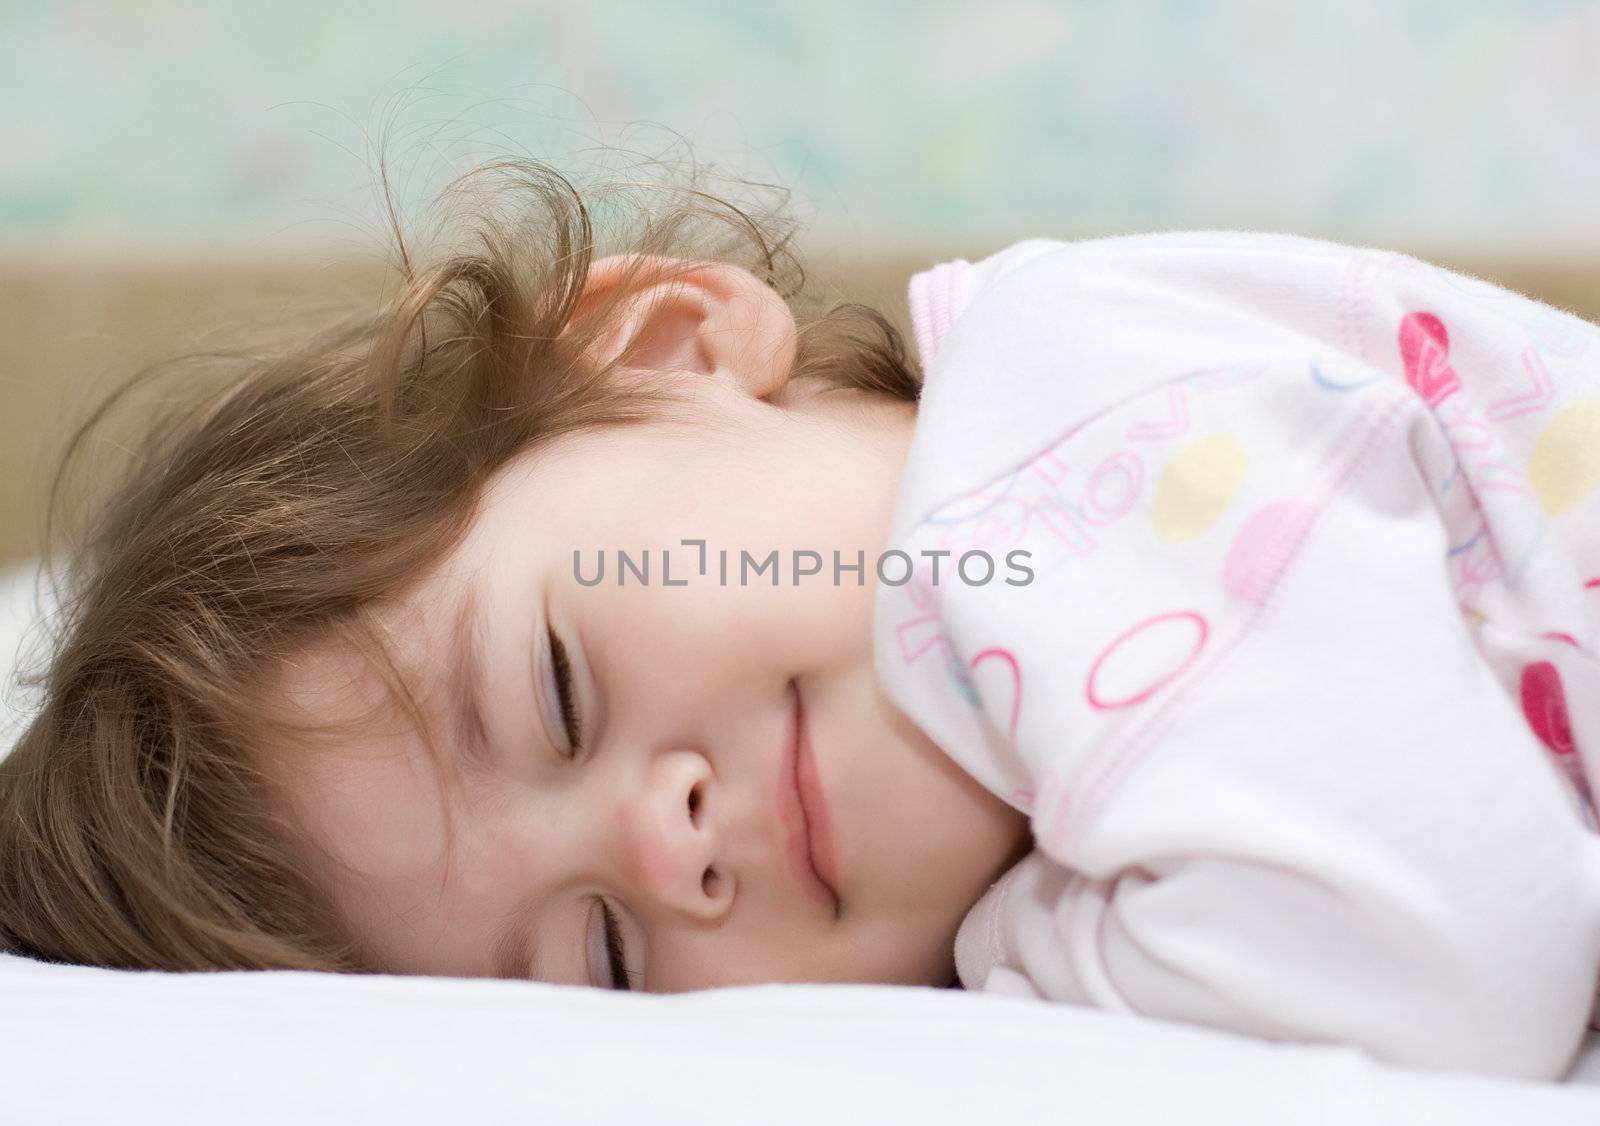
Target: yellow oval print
1196	487
1565	464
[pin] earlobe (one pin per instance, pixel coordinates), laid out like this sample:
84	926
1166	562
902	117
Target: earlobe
709	318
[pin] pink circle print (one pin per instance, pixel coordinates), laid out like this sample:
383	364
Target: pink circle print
1263	548
1140	661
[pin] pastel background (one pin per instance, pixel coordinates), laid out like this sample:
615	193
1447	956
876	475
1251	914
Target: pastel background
1449	123
176	175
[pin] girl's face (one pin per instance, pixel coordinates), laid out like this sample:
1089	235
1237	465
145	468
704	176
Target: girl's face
677	810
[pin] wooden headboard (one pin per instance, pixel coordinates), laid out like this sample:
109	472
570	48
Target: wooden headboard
72	322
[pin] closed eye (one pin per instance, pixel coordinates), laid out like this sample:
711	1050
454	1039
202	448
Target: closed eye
571	721
616	954
607	948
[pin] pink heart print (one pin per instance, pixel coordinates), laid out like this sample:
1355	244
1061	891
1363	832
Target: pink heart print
1425	350
1544	703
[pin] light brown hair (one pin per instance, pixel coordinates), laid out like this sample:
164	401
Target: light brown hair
275	495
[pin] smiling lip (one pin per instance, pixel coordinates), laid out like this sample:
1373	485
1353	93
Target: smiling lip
804	811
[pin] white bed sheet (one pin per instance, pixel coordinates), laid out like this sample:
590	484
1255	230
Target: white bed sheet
86	1045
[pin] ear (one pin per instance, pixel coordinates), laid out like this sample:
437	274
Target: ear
714	319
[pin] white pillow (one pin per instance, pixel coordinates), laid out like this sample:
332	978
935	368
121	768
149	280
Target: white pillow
87	1045
24	603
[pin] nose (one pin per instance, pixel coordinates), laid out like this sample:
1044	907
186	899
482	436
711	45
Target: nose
671	836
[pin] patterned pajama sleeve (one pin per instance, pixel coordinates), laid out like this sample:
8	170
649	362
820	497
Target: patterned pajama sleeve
1300	694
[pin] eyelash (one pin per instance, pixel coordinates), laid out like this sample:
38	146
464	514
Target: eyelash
569	710
616	953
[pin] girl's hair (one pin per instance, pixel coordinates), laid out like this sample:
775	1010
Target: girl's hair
274	496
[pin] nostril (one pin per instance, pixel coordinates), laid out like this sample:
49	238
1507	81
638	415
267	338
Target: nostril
710	882
694	803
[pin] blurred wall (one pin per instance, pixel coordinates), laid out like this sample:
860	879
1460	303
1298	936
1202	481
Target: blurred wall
1422	123
175	174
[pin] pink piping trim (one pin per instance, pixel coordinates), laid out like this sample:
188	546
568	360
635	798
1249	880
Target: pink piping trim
935	299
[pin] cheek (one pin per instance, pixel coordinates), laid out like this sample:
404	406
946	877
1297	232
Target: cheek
380	820
722	629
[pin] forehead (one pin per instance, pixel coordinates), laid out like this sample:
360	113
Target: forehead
367	685
364	788
351	698
341	691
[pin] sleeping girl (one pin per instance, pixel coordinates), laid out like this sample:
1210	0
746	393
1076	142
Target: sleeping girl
1208	632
